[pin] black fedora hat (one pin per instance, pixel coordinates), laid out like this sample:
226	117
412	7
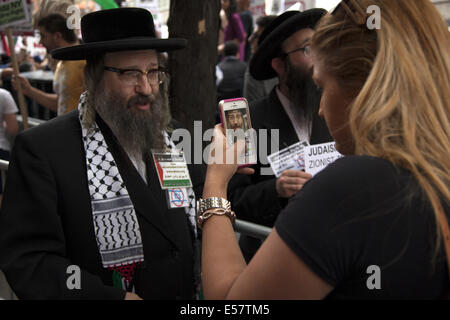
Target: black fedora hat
113	30
269	45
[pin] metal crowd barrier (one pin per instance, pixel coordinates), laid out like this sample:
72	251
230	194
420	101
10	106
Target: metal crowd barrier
252	229
242	227
3	168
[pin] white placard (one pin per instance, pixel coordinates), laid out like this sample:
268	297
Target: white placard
290	158
318	156
13	13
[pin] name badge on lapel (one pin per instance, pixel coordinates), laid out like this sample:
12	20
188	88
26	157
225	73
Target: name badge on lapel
172	169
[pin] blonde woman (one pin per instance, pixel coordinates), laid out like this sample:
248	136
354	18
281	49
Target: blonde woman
370	225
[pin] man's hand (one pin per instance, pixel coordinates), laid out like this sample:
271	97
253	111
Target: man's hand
132	296
26	86
290	182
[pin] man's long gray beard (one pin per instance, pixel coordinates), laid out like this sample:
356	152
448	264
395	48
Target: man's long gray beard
138	131
303	92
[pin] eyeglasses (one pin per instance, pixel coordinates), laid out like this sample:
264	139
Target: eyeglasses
306	51
132	77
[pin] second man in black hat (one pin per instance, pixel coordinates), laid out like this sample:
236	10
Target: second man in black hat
289	113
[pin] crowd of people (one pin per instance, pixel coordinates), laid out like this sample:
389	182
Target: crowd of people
233	78
92	208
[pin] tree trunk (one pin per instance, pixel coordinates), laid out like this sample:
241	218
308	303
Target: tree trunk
192	70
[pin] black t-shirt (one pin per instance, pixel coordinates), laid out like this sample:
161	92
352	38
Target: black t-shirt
360	212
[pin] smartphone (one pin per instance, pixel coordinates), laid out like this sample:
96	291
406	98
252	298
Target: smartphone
235	116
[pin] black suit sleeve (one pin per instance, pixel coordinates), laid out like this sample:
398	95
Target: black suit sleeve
32	241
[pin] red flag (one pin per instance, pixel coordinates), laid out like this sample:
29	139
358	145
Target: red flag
5	45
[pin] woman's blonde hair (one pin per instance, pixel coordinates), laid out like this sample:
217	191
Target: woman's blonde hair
402	74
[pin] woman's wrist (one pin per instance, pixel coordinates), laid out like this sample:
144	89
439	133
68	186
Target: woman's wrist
215	184
213	189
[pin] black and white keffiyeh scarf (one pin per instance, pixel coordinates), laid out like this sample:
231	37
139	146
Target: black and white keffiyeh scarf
116	226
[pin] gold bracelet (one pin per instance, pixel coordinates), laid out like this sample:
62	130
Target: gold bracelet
201	219
211	203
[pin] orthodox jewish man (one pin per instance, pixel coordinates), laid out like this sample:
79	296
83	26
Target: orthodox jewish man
289	114
83	196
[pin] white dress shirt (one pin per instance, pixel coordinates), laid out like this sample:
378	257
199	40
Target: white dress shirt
301	126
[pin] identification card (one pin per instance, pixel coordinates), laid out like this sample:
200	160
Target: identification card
290	158
177	198
172	169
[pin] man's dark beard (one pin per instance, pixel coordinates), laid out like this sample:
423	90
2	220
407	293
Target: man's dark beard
138	131
303	92
237	126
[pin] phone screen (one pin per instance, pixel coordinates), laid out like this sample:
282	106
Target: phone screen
236	120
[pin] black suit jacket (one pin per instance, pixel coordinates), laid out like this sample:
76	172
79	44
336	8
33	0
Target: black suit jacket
254	197
46	222
232	84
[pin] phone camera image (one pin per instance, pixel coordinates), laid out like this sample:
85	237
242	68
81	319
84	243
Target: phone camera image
235	117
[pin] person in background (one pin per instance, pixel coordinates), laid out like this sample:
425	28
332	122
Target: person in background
8	127
4	60
68	82
25	61
231	27
289	112
232	70
258	89
373	224
247	22
42	63
8	122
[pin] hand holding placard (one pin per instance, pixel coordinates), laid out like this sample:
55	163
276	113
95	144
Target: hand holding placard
290	182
